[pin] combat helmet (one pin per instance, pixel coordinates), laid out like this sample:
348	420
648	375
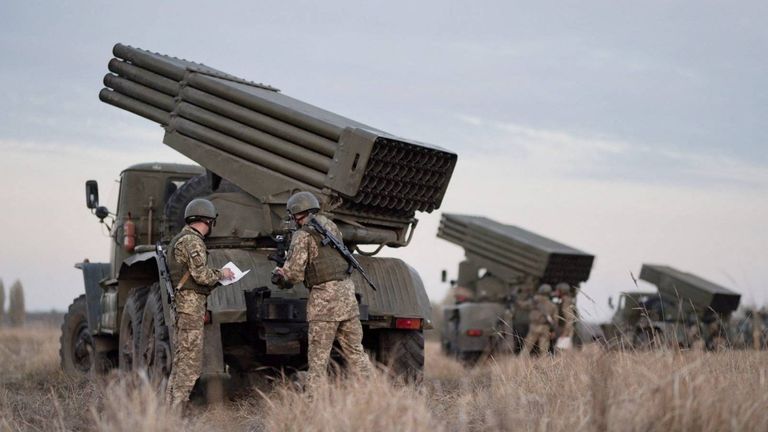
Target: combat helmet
563	288
545	289
200	209
301	202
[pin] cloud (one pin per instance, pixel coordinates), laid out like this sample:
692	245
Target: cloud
560	153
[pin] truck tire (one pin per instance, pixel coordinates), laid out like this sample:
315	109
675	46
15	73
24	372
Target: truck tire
196	187
76	349
402	351
130	329
155	346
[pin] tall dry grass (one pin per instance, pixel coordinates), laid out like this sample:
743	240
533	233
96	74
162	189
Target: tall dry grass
34	393
593	390
349	405
588	390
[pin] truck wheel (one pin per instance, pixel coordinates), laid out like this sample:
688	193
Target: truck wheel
130	329
76	351
196	187
402	351
155	346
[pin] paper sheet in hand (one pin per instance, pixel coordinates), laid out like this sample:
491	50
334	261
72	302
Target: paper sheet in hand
564	343
238	273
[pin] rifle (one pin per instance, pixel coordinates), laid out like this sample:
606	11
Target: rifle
330	240
165	279
283	243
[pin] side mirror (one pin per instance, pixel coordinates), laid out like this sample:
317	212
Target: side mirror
443	276
91	194
610	302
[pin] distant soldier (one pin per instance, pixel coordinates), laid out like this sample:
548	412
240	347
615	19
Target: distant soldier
695	341
717	340
332	309
567	315
541	316
193	280
757	329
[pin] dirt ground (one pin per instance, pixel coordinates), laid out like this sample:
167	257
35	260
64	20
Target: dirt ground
584	390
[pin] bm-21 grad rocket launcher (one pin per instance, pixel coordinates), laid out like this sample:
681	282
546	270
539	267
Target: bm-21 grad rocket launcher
685	309
255	146
502	264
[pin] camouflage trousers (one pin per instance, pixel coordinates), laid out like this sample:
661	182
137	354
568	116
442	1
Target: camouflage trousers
188	347
538	334
349	334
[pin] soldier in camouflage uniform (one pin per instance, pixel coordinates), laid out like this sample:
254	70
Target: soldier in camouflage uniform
567	315
332	309
193	280
757	328
695	341
541	317
717	340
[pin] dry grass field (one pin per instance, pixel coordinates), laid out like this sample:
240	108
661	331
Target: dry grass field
586	390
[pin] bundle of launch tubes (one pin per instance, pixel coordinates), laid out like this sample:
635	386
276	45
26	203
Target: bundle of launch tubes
509	250
277	137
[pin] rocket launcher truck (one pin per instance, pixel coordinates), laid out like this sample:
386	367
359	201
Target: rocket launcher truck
684	309
254	147
503	263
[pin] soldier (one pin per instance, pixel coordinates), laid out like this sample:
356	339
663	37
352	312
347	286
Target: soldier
757	329
541	320
193	280
567	315
717	340
695	342
332	309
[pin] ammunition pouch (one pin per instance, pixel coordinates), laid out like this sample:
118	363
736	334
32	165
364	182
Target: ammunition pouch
328	266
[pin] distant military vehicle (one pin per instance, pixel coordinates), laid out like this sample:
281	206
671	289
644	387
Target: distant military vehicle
503	264
255	147
685	309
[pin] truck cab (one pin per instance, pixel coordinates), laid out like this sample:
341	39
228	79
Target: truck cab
642	317
145	189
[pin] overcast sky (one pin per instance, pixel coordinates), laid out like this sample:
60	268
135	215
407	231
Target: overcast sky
633	131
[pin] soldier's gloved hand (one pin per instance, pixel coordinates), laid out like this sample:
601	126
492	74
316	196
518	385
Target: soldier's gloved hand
278	279
226	274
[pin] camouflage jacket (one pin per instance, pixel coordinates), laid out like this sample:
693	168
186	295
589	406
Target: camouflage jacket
543	311
329	301
190	253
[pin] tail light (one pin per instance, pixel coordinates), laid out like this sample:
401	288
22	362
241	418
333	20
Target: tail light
207	319
408	323
474	332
